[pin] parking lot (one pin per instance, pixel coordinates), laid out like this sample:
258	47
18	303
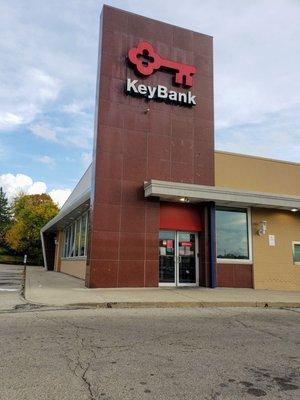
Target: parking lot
186	353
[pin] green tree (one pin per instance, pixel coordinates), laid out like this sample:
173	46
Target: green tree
5	217
30	214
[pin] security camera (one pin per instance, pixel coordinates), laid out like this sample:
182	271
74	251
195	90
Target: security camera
262	228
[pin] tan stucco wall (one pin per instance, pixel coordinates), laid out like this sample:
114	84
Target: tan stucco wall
255	173
273	267
75	268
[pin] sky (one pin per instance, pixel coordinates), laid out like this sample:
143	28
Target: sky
48	64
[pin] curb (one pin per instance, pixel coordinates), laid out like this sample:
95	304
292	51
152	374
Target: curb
185	304
204	304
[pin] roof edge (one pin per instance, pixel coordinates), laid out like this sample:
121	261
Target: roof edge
257	157
63	213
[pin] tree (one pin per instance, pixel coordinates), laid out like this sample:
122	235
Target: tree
5	217
30	214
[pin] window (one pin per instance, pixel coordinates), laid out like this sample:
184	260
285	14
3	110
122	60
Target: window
83	237
232	234
75	238
296	252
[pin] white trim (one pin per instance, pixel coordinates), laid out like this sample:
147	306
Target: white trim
293	248
250	241
234	261
167	284
249	260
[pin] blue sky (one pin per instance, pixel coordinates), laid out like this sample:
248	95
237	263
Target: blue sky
48	69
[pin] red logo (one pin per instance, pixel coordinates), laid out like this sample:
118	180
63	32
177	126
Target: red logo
147	61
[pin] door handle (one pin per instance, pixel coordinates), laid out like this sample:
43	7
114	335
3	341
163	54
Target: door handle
179	259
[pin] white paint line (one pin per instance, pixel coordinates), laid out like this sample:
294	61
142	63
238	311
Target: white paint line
8	290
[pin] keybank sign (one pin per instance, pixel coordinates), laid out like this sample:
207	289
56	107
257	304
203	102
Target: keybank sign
159	92
146	61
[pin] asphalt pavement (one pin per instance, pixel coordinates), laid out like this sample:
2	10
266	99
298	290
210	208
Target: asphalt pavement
186	353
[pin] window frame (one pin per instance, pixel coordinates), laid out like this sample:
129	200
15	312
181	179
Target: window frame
69	246
249	231
295	242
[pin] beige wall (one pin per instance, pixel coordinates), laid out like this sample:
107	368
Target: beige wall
273	266
74	267
255	173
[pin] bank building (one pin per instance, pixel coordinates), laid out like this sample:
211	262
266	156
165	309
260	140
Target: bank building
159	206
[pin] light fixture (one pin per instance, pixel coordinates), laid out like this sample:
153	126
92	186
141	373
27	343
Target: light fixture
184	200
294	209
262	228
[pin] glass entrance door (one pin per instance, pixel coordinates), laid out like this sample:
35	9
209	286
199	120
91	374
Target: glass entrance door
187	259
167	248
178	258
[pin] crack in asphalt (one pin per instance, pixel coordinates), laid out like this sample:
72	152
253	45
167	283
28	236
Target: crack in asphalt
78	367
291	309
78	362
256	329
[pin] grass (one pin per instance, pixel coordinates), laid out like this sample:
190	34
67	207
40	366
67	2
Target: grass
7	258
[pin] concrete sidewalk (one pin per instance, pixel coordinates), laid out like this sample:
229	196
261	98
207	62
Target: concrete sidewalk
56	289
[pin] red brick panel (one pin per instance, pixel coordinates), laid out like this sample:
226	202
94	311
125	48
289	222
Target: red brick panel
132	145
234	275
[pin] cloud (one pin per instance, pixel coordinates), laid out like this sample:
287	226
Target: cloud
78	136
37	188
14	184
42	75
25	95
47	86
46	160
20	183
79	107
44	132
59	196
274	135
86	159
9	119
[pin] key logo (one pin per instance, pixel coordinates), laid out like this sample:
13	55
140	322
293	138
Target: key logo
147	61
